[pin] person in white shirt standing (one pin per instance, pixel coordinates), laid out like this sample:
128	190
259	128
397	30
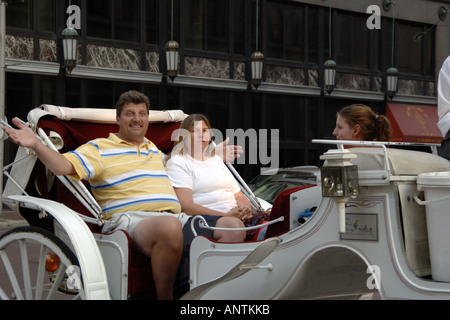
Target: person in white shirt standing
444	108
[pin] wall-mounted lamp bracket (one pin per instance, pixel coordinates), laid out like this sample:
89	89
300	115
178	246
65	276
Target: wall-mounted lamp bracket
442	13
387	4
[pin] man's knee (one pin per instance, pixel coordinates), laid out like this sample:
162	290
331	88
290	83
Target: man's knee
164	230
168	225
169	230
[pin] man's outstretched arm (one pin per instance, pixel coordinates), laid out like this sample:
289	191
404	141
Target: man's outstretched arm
25	137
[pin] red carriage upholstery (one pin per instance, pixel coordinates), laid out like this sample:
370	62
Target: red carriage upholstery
75	133
281	207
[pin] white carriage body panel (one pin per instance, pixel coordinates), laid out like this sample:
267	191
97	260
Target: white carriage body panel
384	248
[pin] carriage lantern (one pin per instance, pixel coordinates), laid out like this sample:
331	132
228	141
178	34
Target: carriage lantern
339	180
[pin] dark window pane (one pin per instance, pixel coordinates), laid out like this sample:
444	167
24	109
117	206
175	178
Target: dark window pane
274	31
376	52
152	21
295	34
207	25
74	95
328	38
20	15
48	90
99	18
100	94
237	23
193	24
429	44
47	15
285	32
19	101
313	34
217	25
352	45
127	20
409	51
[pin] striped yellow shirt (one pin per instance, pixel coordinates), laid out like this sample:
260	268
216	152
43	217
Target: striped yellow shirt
125	177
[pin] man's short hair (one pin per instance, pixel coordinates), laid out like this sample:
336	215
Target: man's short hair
131	96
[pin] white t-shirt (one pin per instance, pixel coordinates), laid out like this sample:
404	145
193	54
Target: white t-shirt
444	98
212	184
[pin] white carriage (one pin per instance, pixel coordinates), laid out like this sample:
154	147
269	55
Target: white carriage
380	227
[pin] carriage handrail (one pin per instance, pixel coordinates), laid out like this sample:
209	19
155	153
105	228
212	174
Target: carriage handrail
379	144
248	192
341	143
203	224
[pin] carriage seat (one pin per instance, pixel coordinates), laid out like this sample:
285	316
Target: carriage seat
284	206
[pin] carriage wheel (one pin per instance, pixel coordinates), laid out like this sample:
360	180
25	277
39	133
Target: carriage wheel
48	266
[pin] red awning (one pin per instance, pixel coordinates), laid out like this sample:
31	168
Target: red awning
414	123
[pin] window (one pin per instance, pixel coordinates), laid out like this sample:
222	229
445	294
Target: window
353	41
152	21
209	26
99	18
237	26
285	31
20	15
313	34
414	49
114	19
47	15
127	20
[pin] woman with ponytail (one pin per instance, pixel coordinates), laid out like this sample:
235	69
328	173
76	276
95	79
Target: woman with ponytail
358	122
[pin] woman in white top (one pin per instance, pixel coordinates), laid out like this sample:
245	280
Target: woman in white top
202	182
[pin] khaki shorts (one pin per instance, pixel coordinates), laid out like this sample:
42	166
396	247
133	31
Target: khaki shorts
129	220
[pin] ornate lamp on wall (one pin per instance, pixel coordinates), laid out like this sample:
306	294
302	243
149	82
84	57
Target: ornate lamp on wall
172	56
257	61
329	67
172	51
257	58
391	82
70	40
392	72
329	70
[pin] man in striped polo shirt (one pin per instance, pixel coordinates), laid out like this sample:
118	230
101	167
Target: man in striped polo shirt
123	169
128	179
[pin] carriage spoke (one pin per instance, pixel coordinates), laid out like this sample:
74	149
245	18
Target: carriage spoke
56	283
3	295
11	275
25	269
41	273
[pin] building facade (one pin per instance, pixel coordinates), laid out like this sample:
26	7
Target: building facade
122	46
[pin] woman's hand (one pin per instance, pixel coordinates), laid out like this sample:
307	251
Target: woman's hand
243	213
